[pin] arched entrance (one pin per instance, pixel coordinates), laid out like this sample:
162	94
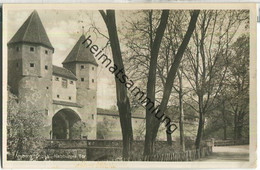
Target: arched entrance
63	125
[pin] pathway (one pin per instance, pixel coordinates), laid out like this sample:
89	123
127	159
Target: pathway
228	153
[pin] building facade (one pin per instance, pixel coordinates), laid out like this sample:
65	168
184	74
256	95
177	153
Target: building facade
67	95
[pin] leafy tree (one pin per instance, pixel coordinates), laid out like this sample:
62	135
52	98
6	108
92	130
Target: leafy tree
104	128
208	59
23	130
238	82
139	131
77	128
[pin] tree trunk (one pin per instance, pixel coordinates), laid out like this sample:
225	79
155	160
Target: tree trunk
224	121
169	138
239	132
225	132
181	119
200	130
169	82
201	122
235	126
123	103
155	46
239	125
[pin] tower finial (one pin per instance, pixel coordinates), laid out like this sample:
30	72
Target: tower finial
82	27
82	30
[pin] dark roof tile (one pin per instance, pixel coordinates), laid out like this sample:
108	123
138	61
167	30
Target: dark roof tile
32	31
63	72
80	53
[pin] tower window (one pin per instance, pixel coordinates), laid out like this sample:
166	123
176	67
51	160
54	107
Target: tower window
92	80
71	82
64	83
82	66
46	51
32	49
46	67
58	96
93	68
17	49
92	116
82	79
46	112
31	64
47	87
69	98
57	78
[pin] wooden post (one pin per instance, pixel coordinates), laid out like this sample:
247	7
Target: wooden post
212	142
186	155
198	153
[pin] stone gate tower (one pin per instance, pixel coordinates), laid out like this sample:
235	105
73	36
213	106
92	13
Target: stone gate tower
30	65
83	65
66	95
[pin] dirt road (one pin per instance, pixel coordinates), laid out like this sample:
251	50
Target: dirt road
228	153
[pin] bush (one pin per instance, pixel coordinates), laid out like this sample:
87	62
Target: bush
24	140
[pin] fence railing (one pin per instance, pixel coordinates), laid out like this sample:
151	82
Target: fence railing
83	143
230	142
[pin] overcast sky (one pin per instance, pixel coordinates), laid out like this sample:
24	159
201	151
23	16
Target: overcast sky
64	29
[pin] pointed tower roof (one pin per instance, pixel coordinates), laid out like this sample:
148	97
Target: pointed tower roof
32	31
80	53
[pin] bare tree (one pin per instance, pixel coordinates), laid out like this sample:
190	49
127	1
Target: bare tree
157	65
170	79
123	103
152	123
151	83
208	59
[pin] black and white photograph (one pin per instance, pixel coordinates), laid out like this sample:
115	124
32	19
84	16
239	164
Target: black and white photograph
102	85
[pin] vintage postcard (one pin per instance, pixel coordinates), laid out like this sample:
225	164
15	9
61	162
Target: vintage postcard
129	85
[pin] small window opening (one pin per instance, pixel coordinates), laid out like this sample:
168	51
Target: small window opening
32	49
82	66
46	51
46	112
46	67
64	83
58	96
31	64
82	79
